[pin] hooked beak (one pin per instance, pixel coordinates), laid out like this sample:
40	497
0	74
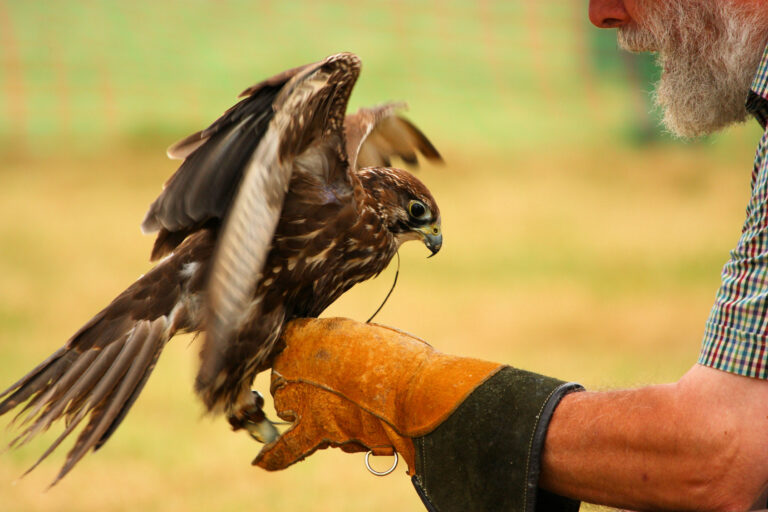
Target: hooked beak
433	237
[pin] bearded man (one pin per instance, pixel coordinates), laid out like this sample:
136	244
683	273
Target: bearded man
482	436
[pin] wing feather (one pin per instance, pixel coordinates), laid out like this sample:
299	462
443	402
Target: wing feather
309	116
101	369
50	399
148	335
48	371
375	135
205	183
203	188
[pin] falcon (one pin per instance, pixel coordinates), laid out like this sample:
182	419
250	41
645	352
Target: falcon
279	207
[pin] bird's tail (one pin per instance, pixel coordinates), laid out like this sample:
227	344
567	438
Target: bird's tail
101	370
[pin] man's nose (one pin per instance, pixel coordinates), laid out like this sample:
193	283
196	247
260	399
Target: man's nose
608	13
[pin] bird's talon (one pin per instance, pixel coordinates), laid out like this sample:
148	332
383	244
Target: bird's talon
252	418
263	431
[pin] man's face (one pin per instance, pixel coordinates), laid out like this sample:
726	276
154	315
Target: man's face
708	51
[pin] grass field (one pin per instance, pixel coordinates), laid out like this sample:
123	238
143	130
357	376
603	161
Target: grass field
567	250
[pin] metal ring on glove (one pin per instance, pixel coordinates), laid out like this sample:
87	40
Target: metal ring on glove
379	473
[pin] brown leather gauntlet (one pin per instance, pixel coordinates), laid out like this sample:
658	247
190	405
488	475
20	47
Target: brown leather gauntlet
362	387
471	431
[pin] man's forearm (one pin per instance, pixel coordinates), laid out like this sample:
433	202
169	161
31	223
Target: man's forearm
675	446
626	448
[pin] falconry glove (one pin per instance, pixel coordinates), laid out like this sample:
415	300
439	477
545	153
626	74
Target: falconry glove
470	431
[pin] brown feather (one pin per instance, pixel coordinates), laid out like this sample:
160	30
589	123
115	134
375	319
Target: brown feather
308	121
149	336
88	376
375	135
49	370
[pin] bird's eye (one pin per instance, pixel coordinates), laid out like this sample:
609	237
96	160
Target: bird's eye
418	210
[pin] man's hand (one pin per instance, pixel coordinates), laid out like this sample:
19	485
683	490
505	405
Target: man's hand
362	387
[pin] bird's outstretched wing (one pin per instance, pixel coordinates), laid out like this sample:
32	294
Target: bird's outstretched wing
99	373
183	148
375	135
305	134
203	188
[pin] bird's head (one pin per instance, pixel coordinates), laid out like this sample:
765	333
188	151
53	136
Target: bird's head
405	205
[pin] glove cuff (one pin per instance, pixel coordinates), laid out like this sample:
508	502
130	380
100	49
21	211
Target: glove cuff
487	454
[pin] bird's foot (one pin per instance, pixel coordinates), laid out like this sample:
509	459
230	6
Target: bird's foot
251	417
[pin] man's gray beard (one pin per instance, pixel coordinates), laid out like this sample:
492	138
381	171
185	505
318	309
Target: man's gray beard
709	51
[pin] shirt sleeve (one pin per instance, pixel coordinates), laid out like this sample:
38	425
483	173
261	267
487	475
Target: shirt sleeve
737	329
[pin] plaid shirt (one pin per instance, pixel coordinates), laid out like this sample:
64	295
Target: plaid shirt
736	336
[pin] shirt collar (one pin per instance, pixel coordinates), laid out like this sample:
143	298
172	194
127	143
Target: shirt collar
757	101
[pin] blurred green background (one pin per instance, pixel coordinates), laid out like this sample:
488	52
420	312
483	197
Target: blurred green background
580	241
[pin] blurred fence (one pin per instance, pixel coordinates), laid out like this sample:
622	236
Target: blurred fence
87	71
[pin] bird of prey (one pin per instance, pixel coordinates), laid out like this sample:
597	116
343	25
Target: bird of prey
279	207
